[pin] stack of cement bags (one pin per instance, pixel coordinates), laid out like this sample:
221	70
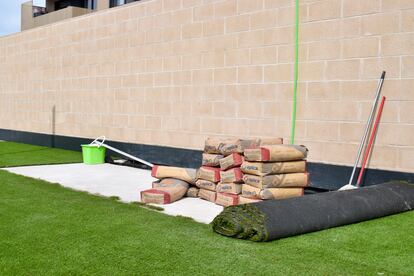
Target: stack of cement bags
220	178
172	185
209	174
274	172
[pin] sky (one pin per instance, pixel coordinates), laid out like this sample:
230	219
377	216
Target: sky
10	15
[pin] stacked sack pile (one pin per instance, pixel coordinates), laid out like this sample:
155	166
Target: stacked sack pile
208	175
235	171
220	178
173	184
274	172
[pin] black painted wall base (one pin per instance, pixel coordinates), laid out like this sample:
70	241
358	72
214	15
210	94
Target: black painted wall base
324	176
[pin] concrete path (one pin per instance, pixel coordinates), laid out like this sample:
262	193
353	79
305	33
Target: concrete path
112	180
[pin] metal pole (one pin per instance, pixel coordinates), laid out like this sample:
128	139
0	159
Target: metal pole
370	142
367	127
128	155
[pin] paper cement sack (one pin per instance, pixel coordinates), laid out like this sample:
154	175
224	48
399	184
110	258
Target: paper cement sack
270	193
209	173
227	199
231	161
270	141
213	145
207	195
260	168
169	182
276	153
211	160
188	175
281	193
205	184
246	200
277	180
165	191
240	145
192	192
226	146
234	175
250	191
229	188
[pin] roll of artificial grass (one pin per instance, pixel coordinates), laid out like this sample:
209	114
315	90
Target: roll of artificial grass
273	219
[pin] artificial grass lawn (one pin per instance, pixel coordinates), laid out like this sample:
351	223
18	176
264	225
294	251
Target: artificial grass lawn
16	154
46	229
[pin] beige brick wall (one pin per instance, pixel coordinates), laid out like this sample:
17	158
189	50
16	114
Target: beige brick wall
172	72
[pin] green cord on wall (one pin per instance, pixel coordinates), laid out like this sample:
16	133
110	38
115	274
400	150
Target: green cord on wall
295	80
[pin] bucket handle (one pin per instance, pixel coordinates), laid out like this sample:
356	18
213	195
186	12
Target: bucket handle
97	142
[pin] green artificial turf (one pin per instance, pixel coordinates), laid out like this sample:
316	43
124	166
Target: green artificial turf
46	229
16	154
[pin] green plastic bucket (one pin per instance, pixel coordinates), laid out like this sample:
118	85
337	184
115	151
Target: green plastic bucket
93	154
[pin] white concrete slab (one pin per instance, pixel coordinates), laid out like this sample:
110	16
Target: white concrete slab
123	182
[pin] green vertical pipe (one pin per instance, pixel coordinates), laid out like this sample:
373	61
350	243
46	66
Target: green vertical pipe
295	80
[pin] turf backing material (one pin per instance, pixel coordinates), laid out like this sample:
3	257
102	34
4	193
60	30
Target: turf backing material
274	219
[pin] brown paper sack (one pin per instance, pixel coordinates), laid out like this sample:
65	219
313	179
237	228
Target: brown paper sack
211	160
270	141
276	153
207	195
281	193
165	191
245	200
231	161
169	182
250	191
213	145
209	173
277	180
188	175
270	193
238	146
205	184
227	199
261	169
192	192
234	175
229	188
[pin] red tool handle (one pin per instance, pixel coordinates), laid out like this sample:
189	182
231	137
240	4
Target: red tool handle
371	141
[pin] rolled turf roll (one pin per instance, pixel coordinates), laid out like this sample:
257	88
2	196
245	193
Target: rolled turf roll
274	219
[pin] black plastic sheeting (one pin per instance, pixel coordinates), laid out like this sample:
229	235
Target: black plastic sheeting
323	176
274	219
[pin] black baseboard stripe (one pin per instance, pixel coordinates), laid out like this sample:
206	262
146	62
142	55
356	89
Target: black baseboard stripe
325	176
